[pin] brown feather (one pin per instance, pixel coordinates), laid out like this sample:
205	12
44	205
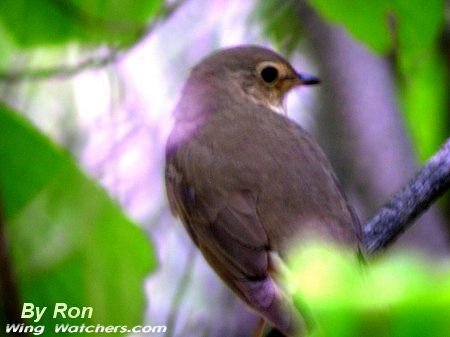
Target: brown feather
247	181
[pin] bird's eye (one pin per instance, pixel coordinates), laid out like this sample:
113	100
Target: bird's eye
269	74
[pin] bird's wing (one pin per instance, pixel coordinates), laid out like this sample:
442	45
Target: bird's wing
235	244
225	224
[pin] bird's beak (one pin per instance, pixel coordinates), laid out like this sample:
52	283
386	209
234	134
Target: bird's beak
307	79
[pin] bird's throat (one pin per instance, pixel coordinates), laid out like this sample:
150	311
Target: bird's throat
278	108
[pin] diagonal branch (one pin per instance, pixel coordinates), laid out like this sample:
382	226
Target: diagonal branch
409	203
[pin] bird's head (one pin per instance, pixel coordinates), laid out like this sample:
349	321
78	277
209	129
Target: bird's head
255	73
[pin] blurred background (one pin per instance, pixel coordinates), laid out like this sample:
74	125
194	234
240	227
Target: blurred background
100	80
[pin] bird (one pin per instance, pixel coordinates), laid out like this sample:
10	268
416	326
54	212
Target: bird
248	182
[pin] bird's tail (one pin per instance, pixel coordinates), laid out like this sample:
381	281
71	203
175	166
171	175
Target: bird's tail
266	297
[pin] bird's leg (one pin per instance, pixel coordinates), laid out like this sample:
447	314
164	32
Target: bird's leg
259	330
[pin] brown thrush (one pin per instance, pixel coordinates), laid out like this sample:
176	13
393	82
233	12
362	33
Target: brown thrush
248	182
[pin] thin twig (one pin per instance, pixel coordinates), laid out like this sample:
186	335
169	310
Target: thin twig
409	203
180	292
60	72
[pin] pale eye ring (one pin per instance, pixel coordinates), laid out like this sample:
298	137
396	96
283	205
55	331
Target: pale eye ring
269	74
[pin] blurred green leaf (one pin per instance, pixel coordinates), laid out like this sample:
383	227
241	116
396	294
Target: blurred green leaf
417	25
366	20
424	77
6	46
280	23
424	96
70	243
384	25
50	22
400	295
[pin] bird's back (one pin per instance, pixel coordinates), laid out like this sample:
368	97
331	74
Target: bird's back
259	150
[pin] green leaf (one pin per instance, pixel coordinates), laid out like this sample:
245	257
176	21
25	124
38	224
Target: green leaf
70	243
410	26
50	22
418	24
399	295
6	46
280	23
424	96
366	20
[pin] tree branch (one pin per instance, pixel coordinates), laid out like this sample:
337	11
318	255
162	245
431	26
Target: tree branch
409	203
60	71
